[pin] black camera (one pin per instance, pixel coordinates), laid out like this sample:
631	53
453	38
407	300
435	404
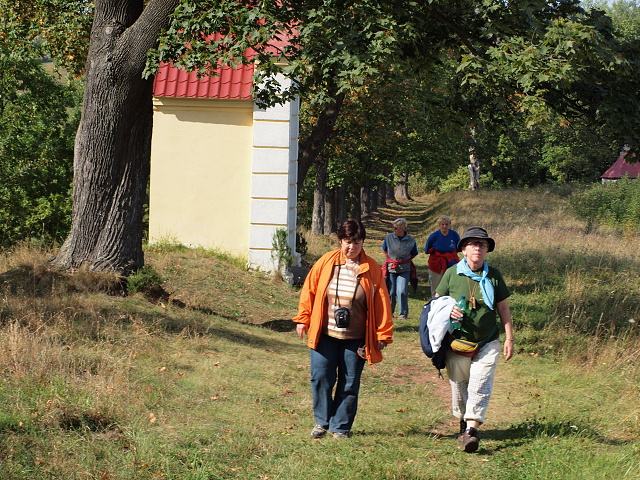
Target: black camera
342	315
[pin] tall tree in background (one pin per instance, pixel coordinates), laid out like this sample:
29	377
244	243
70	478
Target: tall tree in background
522	53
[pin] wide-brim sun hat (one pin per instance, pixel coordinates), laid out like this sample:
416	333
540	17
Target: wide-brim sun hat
477	233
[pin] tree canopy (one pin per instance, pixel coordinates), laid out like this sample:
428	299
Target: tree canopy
503	61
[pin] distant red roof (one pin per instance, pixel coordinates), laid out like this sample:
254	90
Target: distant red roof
621	168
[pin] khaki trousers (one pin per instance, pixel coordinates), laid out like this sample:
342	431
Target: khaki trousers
471	380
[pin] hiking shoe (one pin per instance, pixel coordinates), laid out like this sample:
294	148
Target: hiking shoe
463	427
340	435
318	431
469	440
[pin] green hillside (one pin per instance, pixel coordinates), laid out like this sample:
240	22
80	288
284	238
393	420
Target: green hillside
206	378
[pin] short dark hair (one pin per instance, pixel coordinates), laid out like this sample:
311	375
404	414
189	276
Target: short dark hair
352	230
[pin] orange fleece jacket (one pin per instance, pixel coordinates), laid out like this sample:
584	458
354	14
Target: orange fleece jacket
312	308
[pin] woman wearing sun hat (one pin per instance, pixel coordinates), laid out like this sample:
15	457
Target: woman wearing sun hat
471	374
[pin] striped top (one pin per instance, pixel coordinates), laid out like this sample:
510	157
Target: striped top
340	293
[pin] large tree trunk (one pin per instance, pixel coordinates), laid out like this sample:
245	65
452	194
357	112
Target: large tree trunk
382	195
402	189
474	163
319	193
330	211
355	211
373	196
365	199
390	191
113	143
312	146
341	202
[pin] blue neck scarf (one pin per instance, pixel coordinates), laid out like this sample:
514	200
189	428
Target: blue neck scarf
485	284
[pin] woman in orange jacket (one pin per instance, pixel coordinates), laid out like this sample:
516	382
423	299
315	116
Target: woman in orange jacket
345	311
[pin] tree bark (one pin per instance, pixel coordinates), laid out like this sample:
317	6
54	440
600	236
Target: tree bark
355	212
341	211
402	189
312	146
390	192
113	144
330	211
319	193
382	195
365	199
373	196
474	163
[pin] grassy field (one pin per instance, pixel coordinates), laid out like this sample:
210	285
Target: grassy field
211	382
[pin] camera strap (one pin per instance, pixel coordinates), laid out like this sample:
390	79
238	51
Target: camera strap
336	301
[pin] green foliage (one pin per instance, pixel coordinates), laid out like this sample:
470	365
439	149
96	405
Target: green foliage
58	27
625	15
328	43
38	121
516	62
615	204
301	244
459	180
280	249
144	280
558	151
415	125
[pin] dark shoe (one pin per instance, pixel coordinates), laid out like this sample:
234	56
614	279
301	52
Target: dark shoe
463	427
340	435
318	431
469	440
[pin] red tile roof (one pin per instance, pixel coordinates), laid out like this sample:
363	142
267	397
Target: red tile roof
621	168
230	83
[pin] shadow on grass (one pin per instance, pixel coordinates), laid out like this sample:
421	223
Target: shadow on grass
414	212
230	333
284	325
513	436
521	434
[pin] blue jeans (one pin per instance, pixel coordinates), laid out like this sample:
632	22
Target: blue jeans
332	360
400	290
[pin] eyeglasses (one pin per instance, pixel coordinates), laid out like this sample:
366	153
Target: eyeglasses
478	244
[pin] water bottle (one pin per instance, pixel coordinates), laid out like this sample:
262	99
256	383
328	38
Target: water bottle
456	323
